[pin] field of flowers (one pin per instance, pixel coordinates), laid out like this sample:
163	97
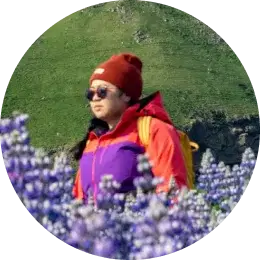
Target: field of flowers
138	225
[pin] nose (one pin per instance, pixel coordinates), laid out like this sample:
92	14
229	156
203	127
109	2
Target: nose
95	97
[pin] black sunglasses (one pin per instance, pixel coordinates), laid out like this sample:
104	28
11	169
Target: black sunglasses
100	91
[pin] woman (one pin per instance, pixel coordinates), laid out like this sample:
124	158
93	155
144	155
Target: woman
113	141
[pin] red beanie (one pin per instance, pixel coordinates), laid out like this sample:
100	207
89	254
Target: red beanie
124	71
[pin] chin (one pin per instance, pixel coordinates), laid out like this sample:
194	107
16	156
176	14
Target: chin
100	116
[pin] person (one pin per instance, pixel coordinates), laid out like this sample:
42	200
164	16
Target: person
112	144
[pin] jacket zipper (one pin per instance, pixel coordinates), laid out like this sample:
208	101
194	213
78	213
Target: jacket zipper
93	168
93	172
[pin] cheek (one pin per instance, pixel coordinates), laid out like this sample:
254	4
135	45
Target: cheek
91	106
109	106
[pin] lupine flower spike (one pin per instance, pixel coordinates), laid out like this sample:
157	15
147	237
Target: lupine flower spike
139	225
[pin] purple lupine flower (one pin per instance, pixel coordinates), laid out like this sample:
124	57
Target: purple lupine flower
141	225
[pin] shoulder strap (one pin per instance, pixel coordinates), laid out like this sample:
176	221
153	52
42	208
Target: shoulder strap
194	146
143	125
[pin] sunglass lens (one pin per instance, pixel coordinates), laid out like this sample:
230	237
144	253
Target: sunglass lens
102	92
90	94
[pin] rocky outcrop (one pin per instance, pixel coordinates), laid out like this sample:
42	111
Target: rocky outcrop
227	138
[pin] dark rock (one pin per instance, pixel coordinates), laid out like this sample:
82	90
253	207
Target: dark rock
253	141
237	130
227	138
242	139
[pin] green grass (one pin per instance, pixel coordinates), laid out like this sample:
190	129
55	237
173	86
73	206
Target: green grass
182	58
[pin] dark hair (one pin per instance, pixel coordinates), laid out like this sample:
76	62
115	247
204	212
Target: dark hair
78	149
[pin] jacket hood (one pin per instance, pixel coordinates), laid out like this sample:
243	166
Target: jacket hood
153	106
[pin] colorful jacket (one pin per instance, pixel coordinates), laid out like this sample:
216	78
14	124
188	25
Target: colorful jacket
115	152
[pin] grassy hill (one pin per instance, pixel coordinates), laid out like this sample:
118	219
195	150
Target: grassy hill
195	70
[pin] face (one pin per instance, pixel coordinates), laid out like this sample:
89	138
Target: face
112	102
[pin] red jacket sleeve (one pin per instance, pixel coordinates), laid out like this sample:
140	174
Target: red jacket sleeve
164	151
77	188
